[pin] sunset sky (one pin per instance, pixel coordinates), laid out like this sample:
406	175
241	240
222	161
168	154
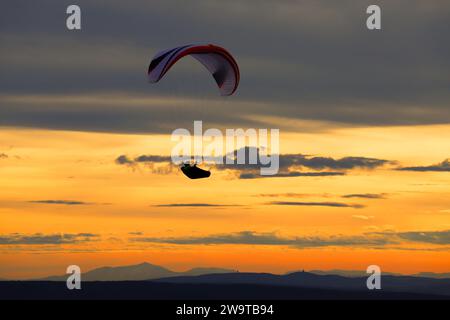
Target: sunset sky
364	119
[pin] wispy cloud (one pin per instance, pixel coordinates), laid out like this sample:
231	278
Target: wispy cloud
136	233
439	167
366	195
371	239
290	165
64	202
290	175
157	164
194	205
322	163
316	204
291	195
255	238
362	217
39	238
433	237
3	156
123	159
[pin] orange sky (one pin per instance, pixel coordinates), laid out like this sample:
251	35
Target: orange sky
73	101
79	166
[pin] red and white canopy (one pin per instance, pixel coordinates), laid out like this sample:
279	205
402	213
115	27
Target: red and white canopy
216	59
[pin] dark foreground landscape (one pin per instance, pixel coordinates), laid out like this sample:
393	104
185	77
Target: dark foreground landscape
169	291
235	286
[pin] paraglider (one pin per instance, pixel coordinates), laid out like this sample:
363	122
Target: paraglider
219	62
194	172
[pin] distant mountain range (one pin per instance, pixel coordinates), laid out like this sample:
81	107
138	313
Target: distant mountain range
351	273
143	271
433	275
148	281
361	273
389	283
147	271
155	290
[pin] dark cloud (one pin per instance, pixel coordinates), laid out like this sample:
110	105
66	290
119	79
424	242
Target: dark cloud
136	233
39	238
289	164
155	163
286	195
316	204
310	59
291	174
152	158
321	163
146	159
254	238
123	159
375	239
195	205
3	156
65	202
432	237
444	166
365	195
289	161
104	112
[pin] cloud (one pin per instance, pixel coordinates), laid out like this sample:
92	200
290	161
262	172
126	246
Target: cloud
146	159
195	205
365	195
123	159
432	237
152	158
3	156
155	163
290	195
290	165
136	233
254	238
65	202
362	217
312	68
288	162
321	163
39	238
316	204
291	174
377	240
444	166
105	111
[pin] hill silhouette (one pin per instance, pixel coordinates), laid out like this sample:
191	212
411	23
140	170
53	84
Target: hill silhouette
148	271
142	271
148	290
362	273
309	280
148	281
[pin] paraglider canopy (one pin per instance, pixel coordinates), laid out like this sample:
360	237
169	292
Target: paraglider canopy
217	60
194	172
